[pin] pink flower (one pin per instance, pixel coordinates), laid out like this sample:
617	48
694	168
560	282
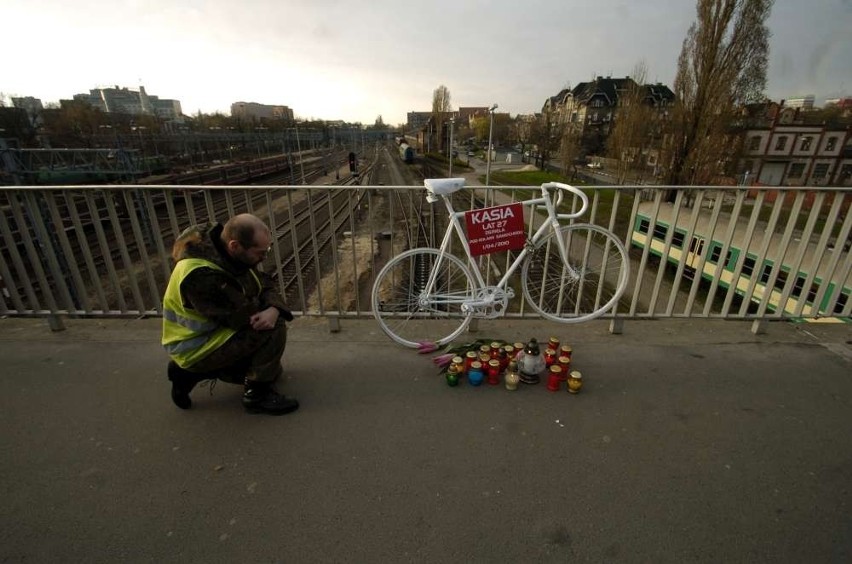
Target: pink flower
443	360
426	347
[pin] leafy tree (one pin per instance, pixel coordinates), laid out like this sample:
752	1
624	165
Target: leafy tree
480	128
722	65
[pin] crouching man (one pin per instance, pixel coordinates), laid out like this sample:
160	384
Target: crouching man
223	318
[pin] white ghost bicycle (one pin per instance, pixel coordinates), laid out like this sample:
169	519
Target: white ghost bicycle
569	273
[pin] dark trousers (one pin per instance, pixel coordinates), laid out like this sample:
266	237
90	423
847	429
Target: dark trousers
249	354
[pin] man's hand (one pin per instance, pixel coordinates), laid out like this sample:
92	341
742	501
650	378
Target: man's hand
264	320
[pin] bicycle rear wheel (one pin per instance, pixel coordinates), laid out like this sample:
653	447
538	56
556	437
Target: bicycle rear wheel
589	285
406	313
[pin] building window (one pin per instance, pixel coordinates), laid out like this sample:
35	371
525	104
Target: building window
830	143
780	143
820	170
806	144
796	170
754	143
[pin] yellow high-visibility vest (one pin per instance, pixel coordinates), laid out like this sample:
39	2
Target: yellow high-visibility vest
188	336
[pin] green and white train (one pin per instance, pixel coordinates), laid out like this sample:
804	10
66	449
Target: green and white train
765	269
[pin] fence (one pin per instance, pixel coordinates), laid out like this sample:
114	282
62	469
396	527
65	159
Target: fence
696	252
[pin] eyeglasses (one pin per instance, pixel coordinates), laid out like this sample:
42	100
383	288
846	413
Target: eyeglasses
265	251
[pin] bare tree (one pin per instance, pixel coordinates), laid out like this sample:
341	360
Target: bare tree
440	108
569	149
547	134
632	125
523	131
722	65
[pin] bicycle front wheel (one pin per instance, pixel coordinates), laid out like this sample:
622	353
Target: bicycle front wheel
590	283
409	312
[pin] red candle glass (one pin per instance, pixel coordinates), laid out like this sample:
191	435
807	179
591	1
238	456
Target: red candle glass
565	365
555	378
493	371
549	357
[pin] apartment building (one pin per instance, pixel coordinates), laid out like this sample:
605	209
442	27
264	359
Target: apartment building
591	108
253	110
783	149
133	102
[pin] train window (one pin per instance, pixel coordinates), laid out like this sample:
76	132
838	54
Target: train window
643	225
696	245
798	286
677	239
841	303
715	253
660	231
748	266
781	280
813	292
766	273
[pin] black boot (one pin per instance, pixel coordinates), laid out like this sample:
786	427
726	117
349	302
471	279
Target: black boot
259	397
183	381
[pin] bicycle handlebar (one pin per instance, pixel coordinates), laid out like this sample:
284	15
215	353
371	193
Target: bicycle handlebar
569	188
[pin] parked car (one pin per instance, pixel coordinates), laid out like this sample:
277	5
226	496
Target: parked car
594	165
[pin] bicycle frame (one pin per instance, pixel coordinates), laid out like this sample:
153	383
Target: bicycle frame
551	223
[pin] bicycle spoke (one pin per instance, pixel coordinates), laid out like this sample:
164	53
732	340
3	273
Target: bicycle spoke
585	288
410	310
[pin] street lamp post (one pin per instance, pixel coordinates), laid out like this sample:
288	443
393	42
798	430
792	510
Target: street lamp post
488	156
450	150
299	148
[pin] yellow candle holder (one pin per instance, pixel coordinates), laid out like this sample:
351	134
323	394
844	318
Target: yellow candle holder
575	382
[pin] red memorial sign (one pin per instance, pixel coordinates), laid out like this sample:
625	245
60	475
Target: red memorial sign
491	230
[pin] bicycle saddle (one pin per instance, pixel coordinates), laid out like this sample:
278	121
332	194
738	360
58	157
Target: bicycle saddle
442	187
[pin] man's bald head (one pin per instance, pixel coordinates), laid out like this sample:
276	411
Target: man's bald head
243	228
246	238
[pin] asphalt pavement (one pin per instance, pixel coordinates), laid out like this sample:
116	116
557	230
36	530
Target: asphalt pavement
691	441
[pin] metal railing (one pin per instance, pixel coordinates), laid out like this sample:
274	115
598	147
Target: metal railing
696	252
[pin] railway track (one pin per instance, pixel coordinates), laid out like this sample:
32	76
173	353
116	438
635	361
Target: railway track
108	246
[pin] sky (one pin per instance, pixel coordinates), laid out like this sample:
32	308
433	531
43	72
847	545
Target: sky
356	60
